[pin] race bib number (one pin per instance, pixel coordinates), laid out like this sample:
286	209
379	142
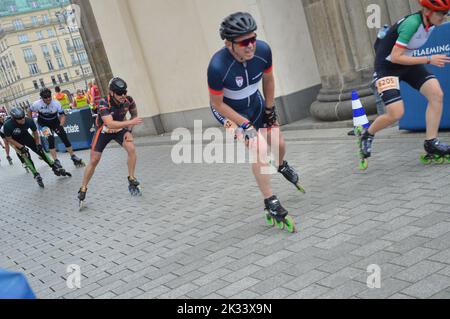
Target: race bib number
388	83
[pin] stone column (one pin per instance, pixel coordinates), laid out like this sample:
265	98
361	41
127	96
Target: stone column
343	45
94	46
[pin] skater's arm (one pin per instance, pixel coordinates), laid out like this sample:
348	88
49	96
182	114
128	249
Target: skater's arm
133	112
36	137
62	119
116	125
15	144
225	110
398	56
269	89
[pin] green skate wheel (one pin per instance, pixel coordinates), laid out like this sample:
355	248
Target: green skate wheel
290	224
269	220
280	225
425	160
439	159
300	188
447	158
358	130
363	165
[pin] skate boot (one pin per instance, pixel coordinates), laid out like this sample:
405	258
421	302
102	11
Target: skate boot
59	171
38	179
57	163
9	160
366	141
436	152
291	175
82	197
78	162
133	186
277	215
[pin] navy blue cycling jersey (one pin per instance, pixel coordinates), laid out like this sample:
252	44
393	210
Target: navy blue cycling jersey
239	81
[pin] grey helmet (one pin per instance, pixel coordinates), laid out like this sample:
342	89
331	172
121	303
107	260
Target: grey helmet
17	113
236	25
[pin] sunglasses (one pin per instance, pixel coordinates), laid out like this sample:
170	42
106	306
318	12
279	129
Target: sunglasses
121	93
47	97
245	43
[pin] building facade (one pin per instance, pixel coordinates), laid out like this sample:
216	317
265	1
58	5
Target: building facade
38	49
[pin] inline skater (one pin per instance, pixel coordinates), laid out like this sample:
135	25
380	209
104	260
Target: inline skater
113	125
16	132
234	74
52	115
394	63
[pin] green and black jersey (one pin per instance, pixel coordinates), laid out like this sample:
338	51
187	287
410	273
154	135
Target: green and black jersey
17	131
409	33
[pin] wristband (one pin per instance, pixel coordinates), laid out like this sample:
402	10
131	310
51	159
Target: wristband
429	59
245	125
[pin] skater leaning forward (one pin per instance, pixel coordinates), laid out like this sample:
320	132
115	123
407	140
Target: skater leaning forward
234	74
15	130
394	63
113	125
52	115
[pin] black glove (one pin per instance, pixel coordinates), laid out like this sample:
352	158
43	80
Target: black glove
270	117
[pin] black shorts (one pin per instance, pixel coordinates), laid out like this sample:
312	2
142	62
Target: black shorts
101	139
2	135
415	76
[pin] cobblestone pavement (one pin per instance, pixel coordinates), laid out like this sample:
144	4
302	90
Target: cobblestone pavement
198	231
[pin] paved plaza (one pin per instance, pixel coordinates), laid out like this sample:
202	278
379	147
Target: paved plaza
198	230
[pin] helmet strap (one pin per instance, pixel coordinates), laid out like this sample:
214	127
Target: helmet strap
428	23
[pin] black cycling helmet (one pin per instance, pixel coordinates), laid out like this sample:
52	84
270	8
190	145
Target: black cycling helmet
17	113
45	93
236	25
118	86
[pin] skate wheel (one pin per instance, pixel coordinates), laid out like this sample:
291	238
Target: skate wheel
439	159
425	160
280	225
290	224
447	158
363	164
81	206
269	220
300	188
358	130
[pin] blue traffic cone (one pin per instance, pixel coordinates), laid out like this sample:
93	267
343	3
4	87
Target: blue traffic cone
359	114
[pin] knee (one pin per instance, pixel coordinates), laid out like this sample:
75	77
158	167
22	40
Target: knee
436	98
396	115
95	159
129	147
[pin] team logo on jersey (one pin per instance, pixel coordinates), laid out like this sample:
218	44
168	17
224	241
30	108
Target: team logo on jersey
239	81
17	131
